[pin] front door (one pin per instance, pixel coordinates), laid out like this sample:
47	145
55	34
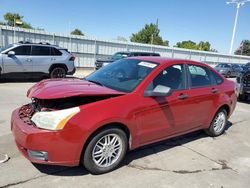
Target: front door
160	117
20	62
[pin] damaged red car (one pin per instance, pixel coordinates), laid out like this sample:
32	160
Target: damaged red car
124	105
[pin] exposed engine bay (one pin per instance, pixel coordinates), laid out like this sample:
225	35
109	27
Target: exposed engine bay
45	105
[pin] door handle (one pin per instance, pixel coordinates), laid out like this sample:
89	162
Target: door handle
214	90
182	96
28	59
53	59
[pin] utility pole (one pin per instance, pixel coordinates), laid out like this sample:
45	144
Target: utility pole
239	3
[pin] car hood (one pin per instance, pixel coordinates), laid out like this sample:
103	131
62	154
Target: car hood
62	88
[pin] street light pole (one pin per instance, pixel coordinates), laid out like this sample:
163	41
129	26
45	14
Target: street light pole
239	3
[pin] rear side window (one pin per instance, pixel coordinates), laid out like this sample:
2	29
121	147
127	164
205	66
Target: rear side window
217	78
40	51
199	76
22	50
55	52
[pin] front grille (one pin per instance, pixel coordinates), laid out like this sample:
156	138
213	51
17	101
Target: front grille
26	112
246	80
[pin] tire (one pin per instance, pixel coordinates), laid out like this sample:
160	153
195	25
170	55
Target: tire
242	97
108	156
218	124
228	74
58	72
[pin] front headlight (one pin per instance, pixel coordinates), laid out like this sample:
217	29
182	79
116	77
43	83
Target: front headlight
54	120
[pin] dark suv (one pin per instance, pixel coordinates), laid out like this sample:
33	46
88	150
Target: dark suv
243	83
120	55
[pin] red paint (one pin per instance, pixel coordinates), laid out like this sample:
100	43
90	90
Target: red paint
148	119
61	88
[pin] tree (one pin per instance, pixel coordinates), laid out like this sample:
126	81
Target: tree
77	32
187	44
14	19
203	46
150	34
244	48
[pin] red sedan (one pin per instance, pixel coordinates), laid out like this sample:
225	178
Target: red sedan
124	105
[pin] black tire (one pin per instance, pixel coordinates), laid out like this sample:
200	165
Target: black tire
58	72
88	159
228	74
212	130
242	97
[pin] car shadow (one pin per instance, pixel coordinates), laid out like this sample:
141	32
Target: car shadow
131	155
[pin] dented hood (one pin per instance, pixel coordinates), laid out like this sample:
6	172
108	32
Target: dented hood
62	88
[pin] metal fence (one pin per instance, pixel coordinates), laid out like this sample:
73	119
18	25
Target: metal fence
87	50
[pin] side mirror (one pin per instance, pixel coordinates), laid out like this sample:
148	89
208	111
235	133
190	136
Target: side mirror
159	91
11	53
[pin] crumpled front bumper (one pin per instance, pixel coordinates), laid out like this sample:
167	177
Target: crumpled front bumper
63	147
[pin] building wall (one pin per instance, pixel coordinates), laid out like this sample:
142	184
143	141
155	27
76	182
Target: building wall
87	50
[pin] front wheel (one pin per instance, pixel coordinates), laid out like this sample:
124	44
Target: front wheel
105	151
218	124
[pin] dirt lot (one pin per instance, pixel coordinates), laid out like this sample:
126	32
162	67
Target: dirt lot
193	160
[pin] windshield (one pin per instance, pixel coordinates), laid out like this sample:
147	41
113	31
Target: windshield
119	55
6	47
123	75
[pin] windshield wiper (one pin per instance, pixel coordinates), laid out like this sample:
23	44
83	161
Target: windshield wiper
96	82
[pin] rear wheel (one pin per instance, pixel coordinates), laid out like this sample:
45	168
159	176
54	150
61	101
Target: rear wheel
218	125
242	97
105	151
58	72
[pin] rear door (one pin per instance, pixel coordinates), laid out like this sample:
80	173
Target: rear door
41	57
202	95
20	62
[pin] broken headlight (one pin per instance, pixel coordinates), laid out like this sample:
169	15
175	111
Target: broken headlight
54	120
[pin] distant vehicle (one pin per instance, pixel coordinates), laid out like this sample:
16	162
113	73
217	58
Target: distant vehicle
120	55
243	83
41	58
130	103
229	69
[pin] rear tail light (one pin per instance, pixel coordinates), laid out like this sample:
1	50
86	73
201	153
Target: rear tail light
72	58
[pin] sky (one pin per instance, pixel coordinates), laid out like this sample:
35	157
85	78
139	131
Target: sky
179	20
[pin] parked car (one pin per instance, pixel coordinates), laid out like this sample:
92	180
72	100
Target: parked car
128	104
120	55
30	58
243	83
228	70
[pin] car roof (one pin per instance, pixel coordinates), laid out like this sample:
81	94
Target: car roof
163	60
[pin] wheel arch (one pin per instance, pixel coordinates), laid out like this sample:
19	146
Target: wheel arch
108	125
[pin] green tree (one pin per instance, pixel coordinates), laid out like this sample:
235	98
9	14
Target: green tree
244	48
187	44
150	34
203	46
11	18
77	32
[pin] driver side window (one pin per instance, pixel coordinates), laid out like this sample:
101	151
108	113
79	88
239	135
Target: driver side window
172	77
